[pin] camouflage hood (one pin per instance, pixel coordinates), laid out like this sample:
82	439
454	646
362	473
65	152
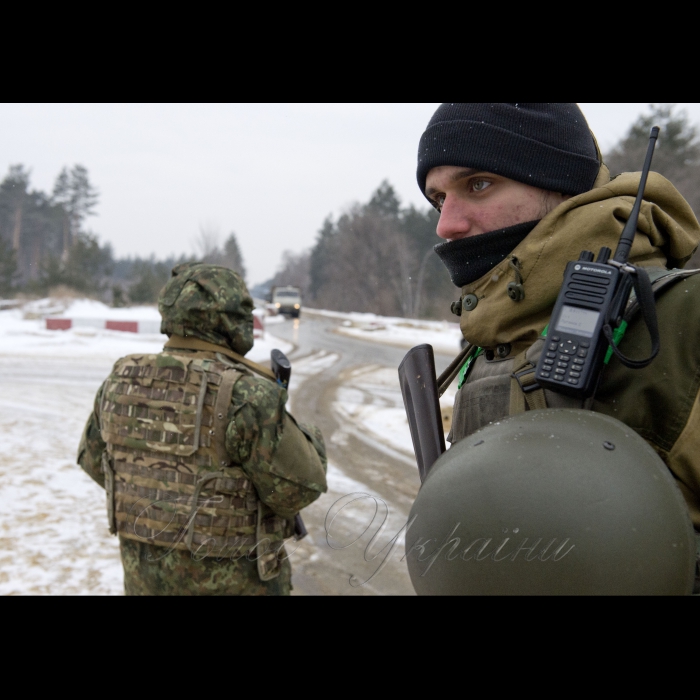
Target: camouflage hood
210	303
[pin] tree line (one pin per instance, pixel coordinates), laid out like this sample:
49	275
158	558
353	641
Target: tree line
376	257
44	245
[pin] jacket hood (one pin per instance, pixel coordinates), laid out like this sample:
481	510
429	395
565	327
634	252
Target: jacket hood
667	235
208	302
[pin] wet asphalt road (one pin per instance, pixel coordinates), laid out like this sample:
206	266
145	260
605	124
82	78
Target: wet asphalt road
358	464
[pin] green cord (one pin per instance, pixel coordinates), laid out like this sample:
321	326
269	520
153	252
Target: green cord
464	372
618	335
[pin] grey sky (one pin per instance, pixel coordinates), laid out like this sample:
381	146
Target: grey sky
269	172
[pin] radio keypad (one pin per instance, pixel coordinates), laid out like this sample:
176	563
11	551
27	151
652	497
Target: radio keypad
565	360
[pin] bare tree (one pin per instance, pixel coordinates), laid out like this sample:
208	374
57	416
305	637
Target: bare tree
206	244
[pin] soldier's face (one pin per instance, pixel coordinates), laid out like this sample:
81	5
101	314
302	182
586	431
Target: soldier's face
472	202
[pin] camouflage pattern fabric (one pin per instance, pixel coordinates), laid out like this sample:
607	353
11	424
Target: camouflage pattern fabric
92	445
257	424
171	482
152	570
208	302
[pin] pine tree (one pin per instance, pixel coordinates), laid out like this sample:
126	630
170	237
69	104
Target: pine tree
232	257
385	201
677	155
14	191
8	268
320	257
73	191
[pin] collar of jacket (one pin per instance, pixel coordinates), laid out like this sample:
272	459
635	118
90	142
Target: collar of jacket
177	342
668	233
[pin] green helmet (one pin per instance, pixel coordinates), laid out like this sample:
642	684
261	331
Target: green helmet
208	302
553	502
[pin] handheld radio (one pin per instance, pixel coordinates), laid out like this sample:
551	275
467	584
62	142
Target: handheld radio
591	303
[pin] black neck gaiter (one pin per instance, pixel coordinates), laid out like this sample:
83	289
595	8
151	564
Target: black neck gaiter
469	259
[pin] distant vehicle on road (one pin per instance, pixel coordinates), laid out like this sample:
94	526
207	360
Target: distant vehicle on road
287	301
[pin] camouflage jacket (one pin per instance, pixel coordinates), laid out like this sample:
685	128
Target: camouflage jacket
139	443
256	424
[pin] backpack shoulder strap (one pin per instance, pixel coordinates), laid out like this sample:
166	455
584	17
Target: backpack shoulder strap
661	281
525	393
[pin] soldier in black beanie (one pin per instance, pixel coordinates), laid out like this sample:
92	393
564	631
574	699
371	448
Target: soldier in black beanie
535	154
522	190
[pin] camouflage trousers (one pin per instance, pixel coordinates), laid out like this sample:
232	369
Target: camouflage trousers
153	570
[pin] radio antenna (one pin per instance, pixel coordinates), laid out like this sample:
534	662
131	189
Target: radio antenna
625	245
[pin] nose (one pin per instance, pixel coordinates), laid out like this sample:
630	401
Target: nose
454	220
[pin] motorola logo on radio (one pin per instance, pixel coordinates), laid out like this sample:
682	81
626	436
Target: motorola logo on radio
593	269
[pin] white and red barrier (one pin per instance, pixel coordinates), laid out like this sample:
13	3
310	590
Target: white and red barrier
65	324
150	327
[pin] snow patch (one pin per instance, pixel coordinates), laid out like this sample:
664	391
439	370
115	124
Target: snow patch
445	337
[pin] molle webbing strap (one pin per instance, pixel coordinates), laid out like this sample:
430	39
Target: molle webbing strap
223	402
200	410
177	342
176	477
522	396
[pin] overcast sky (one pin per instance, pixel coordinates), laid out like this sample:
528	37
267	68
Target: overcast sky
269	172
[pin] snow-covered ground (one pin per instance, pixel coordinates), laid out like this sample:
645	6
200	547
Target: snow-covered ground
53	532
400	332
369	405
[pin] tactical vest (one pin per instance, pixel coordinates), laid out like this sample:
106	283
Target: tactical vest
169	479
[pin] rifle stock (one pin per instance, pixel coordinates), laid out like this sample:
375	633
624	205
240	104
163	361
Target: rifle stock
420	398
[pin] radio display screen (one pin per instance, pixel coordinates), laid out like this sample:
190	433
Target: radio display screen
577	321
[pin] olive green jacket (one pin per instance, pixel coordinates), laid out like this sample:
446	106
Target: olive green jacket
660	402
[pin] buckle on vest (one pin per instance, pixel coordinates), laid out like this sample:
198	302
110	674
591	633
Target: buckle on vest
527	387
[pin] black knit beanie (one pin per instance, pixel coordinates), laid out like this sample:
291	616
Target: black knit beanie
544	144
